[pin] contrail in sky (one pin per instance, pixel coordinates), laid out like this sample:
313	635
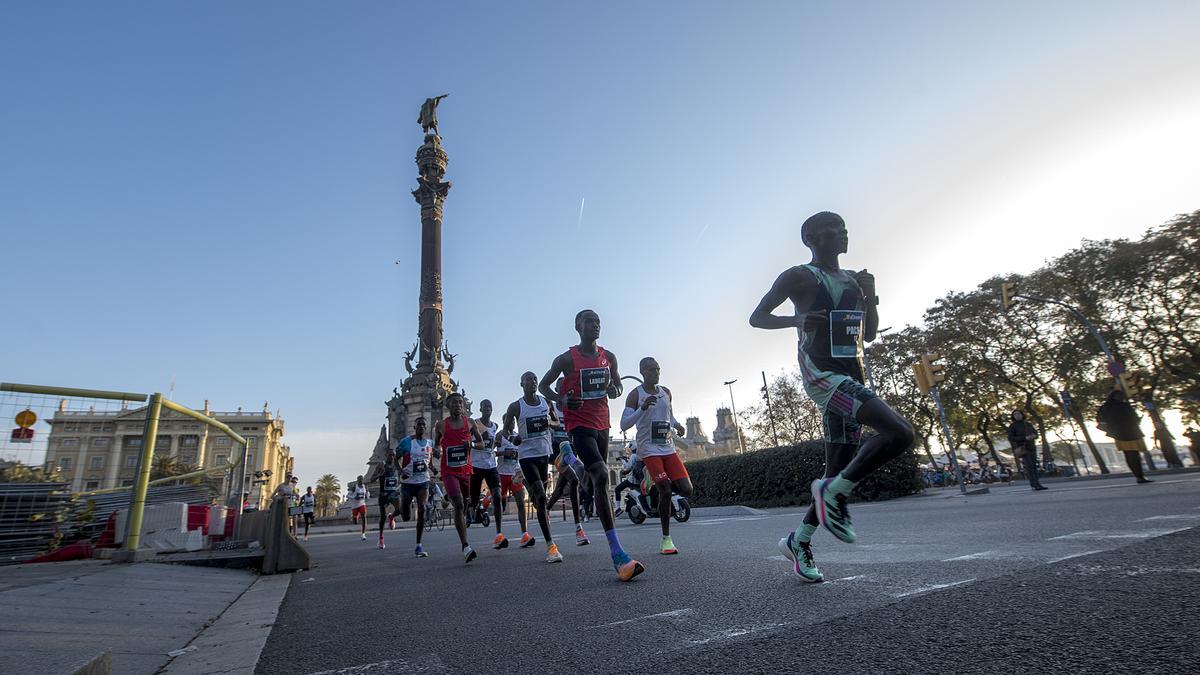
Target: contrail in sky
581	201
702	231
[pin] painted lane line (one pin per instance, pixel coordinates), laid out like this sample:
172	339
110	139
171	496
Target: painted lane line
661	615
974	556
736	632
1073	555
780	558
1103	534
426	664
856	576
934	587
1178	516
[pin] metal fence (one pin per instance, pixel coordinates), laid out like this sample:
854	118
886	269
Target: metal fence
89	444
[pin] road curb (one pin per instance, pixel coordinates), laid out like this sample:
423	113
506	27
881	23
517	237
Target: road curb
234	642
736	510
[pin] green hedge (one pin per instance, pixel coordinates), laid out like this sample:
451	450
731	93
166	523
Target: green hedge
782	477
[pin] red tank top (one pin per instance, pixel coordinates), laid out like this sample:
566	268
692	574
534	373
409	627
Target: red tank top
456	448
588	379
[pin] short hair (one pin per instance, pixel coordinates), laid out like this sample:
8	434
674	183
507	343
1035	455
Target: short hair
454	394
579	316
419	418
642	363
818	220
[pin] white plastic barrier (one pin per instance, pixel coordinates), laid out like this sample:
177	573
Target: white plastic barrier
155	519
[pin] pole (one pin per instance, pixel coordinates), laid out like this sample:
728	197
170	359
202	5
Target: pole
770	415
733	407
937	400
133	531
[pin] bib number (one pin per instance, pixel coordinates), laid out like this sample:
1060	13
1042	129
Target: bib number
845	333
418	467
389	483
660	433
536	427
593	383
456	456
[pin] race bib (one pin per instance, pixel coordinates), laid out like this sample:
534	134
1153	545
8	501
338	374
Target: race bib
390	482
508	461
593	383
660	433
845	333
418	467
537	426
456	456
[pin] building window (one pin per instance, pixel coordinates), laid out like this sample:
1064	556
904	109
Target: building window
220	460
250	462
95	427
131	461
133	442
188	457
99	442
162	443
70	442
252	442
71	427
97	461
128	482
92	485
189	442
64	462
221	440
106	427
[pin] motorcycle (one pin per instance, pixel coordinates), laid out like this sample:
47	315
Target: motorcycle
642	501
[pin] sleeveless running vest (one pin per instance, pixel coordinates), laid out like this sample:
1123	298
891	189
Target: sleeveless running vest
836	348
508	465
389	482
654	428
533	424
588	380
485	458
456	444
420	454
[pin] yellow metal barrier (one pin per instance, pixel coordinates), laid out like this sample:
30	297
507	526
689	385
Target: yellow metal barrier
142	480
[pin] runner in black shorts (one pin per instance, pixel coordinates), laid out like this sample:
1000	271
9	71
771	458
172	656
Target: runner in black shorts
389	492
531	416
591	378
416	458
485	469
565	480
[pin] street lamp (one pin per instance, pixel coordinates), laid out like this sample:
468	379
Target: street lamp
733	406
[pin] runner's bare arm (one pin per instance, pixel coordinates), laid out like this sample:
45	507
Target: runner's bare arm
614	378
866	284
793	284
678	427
510	420
560	366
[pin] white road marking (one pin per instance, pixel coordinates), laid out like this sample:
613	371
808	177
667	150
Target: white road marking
718	521
1178	516
974	556
1106	534
661	615
1123	484
780	558
1073	555
856	576
1134	570
736	632
425	664
934	587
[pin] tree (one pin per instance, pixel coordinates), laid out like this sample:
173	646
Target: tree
327	494
792	416
17	472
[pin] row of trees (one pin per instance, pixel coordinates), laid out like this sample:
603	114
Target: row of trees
1143	295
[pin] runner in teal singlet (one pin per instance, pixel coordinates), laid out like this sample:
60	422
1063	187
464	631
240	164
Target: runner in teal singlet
834	311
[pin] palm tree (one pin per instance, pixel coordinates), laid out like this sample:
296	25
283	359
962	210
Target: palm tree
328	494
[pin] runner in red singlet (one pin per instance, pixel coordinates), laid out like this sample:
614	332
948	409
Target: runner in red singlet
453	440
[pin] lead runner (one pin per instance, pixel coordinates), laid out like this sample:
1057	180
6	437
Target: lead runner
834	310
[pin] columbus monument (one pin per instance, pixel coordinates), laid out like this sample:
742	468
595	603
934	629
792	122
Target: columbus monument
429	382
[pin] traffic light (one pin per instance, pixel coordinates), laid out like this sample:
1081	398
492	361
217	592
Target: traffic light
928	373
1008	294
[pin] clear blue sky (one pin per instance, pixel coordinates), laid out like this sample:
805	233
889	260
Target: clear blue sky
216	192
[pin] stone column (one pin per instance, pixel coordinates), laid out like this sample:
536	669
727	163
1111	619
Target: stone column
431	195
112	470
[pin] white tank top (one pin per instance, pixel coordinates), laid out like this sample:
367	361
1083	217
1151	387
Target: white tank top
485	458
420	454
534	427
508	466
654	428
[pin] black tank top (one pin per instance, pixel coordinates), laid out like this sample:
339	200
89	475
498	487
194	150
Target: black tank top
389	480
836	291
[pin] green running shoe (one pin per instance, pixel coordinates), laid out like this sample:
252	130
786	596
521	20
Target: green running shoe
832	511
668	547
800	553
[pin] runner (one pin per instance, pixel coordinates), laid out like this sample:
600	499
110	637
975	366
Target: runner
416	456
630	477
453	440
565	479
308	504
389	492
834	310
357	495
649	407
532	416
511	484
483	468
591	379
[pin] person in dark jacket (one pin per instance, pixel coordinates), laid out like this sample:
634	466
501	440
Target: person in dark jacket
1118	419
1022	436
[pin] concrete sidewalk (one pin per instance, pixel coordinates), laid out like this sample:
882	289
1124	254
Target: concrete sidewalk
57	617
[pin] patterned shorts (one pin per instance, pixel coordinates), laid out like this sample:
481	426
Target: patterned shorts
839	413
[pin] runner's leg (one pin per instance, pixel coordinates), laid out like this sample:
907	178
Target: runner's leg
893	436
493	483
591	446
535	477
476	491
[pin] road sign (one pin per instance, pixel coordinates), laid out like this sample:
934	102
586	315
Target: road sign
26	418
22	435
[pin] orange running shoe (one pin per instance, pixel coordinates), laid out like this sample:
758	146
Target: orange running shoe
630	570
527	540
552	554
500	541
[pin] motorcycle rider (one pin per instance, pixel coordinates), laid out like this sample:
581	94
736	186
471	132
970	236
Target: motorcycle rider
649	408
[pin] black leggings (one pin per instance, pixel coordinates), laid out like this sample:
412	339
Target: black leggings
478	476
621	487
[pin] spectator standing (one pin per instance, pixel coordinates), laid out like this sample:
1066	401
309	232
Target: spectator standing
1022	436
1119	420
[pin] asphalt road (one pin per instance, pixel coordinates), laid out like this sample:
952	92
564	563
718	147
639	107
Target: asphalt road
1088	576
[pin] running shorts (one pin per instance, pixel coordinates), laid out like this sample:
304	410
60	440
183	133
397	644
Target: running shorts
359	511
457	485
508	487
536	467
665	467
590	445
411	491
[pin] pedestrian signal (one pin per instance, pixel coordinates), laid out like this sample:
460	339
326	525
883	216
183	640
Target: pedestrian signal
928	373
1008	294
